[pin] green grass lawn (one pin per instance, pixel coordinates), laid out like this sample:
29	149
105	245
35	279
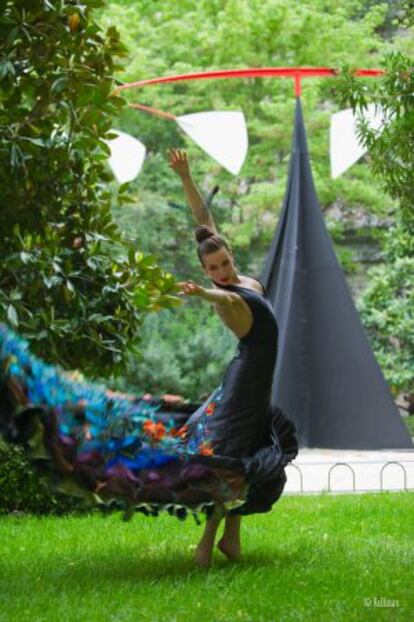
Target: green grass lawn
315	558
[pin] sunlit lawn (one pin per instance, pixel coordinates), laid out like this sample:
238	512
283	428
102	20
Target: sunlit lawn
315	558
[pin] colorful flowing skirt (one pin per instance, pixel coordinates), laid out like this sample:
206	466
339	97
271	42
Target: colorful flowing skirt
123	452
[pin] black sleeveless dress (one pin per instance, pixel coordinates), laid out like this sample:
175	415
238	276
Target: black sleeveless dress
118	452
236	425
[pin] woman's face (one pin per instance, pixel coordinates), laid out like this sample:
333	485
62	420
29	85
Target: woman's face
219	266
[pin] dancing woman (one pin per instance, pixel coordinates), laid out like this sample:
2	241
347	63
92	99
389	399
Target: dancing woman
240	420
117	452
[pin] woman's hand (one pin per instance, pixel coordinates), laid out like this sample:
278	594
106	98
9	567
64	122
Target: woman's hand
189	288
179	162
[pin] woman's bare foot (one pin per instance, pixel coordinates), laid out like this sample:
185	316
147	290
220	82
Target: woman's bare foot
230	549
204	549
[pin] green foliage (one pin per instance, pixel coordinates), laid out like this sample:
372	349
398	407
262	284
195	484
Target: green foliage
185	352
386	308
398	13
22	489
387	305
161	230
68	280
391	151
346	258
409	422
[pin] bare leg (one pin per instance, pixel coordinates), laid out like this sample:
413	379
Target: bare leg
229	544
205	547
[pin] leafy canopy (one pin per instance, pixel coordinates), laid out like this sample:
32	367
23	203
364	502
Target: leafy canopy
69	281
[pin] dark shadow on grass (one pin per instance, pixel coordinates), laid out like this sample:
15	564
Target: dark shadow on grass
137	569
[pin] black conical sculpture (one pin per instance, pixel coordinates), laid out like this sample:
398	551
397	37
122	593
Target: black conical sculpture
327	379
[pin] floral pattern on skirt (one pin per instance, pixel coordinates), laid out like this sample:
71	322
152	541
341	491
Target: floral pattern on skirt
199	443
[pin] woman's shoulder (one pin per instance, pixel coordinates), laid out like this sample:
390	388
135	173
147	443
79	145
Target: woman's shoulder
246	282
250	283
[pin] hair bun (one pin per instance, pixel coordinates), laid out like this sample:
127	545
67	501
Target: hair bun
203	232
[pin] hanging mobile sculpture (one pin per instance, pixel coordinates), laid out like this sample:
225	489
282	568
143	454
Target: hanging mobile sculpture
223	134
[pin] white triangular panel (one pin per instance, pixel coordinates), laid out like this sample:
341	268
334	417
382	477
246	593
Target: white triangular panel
127	156
221	134
345	147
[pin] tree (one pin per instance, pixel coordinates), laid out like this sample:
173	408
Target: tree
387	306
69	281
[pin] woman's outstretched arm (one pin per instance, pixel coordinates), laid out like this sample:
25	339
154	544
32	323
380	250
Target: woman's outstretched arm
201	213
218	296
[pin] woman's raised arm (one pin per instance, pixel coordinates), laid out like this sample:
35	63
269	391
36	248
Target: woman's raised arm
201	213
